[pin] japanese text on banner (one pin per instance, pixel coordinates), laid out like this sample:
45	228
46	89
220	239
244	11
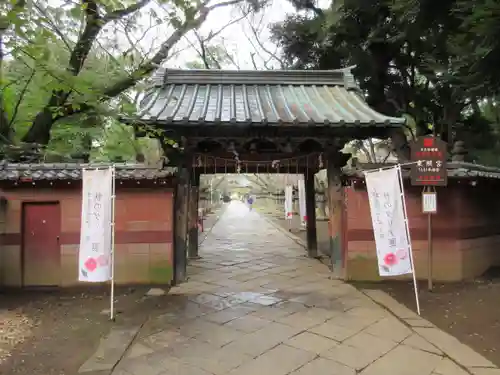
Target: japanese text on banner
389	225
95	235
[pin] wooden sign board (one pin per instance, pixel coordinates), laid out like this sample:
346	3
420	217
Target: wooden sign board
429	202
429	155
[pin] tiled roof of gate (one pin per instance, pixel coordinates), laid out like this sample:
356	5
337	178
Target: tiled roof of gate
455	169
73	171
195	97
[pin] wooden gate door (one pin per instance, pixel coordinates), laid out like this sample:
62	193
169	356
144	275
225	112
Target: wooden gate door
41	249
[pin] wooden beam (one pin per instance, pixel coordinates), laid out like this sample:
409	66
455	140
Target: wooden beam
232	169
312	239
193	217
300	131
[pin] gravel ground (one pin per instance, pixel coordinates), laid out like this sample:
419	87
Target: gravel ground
53	333
15	328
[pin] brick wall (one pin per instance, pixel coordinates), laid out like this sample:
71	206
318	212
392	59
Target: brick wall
143	234
466	232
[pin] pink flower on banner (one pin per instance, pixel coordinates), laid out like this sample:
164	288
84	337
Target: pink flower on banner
401	254
305	218
90	264
390	259
102	261
289	214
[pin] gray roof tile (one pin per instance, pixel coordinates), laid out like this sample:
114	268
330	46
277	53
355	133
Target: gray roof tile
63	171
454	170
195	97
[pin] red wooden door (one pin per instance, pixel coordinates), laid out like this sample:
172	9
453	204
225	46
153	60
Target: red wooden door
41	250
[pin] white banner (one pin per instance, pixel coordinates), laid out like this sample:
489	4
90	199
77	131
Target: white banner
302	201
94	263
389	223
288	202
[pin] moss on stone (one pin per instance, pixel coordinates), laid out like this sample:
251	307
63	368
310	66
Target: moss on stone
160	272
362	269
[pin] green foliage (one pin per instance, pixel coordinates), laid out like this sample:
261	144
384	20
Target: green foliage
413	58
116	142
212	56
478	44
31	82
67	68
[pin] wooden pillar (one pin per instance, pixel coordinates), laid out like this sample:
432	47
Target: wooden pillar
336	160
181	198
312	239
194	196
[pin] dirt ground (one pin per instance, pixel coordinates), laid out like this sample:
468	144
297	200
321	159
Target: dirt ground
469	311
49	333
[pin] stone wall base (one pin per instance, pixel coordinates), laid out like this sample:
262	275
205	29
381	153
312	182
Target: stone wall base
134	264
452	261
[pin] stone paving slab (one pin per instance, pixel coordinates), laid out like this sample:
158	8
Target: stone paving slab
404	360
438	339
255	304
110	350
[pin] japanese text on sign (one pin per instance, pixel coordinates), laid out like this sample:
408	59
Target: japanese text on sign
95	232
429	157
389	223
429	203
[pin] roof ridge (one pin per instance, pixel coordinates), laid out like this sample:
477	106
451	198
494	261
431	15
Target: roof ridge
336	77
73	171
74	166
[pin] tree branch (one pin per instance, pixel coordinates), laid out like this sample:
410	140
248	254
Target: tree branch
135	45
161	55
21	97
212	35
272	55
5	129
120	13
254	63
202	52
39	131
53	26
230	57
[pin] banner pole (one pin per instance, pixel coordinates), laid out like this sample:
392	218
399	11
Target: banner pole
113	199
385	168
408	238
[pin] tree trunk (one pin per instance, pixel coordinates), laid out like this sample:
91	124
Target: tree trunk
5	130
400	145
39	132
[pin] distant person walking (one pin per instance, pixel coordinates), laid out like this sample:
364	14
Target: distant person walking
250	202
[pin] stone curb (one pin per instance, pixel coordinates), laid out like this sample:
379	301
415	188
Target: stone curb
110	351
219	212
325	260
289	234
462	355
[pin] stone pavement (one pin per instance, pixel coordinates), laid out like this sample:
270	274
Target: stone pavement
255	305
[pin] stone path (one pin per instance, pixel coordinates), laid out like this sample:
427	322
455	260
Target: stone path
255	305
